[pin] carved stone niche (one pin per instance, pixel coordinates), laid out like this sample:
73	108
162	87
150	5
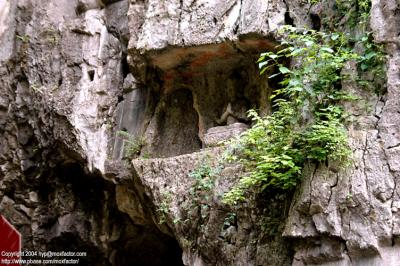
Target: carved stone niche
183	92
203	87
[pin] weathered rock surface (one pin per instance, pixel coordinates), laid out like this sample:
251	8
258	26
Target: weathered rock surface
215	135
192	23
209	232
61	73
355	209
179	75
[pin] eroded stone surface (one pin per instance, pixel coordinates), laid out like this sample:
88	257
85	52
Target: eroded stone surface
210	232
216	135
73	73
191	23
61	73
355	206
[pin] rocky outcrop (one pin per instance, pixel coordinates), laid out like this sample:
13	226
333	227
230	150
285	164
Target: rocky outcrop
62	70
355	210
87	84
188	190
217	135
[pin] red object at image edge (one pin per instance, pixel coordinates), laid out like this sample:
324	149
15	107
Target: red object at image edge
10	243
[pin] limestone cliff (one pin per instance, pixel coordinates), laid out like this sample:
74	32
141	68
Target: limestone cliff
89	85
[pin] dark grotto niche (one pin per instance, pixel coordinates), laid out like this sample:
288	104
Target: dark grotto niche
222	78
149	248
176	125
71	211
87	204
182	92
230	81
72	242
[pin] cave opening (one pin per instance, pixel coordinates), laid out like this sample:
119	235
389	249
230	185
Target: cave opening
149	247
79	214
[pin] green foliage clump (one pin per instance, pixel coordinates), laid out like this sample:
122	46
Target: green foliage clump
24	38
230	219
356	11
204	175
132	144
51	35
307	122
372	62
163	208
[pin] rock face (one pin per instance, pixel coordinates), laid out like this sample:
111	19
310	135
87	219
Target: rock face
87	84
216	135
355	210
210	232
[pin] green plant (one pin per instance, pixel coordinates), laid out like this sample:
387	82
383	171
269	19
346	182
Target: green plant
163	208
346	15
108	126
230	219
24	38
51	35
36	88
145	155
349	196
372	63
54	88
35	149
356	11
307	122
177	220
204	177
132	144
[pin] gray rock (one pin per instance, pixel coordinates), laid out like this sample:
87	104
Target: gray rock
215	135
73	73
199	219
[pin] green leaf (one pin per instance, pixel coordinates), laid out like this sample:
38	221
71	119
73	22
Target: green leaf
309	43
284	70
364	66
274	75
334	36
262	64
296	51
262	58
327	49
369	55
297	88
263	70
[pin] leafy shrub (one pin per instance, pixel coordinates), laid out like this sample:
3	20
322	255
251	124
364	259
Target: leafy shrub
307	124
204	176
357	11
163	208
